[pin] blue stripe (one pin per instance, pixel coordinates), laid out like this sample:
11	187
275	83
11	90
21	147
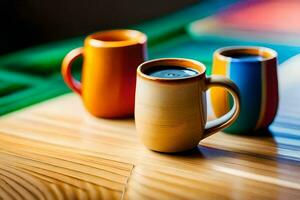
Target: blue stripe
247	76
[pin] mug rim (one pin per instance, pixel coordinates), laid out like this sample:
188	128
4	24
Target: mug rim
266	53
184	62
131	37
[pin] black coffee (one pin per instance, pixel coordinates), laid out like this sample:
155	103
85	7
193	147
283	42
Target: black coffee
248	57
170	72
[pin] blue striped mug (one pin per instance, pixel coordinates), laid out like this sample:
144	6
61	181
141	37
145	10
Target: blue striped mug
254	71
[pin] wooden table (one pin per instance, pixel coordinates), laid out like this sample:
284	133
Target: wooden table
55	150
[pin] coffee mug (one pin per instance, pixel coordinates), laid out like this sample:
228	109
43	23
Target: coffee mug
170	107
110	60
254	71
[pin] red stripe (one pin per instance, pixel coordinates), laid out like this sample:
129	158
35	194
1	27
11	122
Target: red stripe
271	93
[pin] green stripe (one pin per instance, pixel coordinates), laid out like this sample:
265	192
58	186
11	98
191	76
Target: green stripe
18	78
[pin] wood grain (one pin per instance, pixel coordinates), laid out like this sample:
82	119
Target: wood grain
55	150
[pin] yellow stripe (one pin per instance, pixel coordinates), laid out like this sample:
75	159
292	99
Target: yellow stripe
219	96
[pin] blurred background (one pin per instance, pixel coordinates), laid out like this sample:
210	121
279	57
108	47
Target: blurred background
36	35
30	22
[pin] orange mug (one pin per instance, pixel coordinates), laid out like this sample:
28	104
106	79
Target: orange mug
110	60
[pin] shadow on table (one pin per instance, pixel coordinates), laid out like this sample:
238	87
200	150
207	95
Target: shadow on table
255	144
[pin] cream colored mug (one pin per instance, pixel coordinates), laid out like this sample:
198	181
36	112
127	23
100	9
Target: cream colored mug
170	113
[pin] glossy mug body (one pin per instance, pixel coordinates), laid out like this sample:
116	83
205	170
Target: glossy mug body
258	84
170	113
110	60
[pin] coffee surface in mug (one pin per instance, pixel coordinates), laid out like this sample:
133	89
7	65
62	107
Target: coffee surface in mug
170	72
247	57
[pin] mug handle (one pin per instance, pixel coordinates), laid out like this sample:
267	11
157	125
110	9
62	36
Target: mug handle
66	69
226	120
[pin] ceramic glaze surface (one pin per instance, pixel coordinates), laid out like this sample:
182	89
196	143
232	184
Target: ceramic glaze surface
176	109
110	59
